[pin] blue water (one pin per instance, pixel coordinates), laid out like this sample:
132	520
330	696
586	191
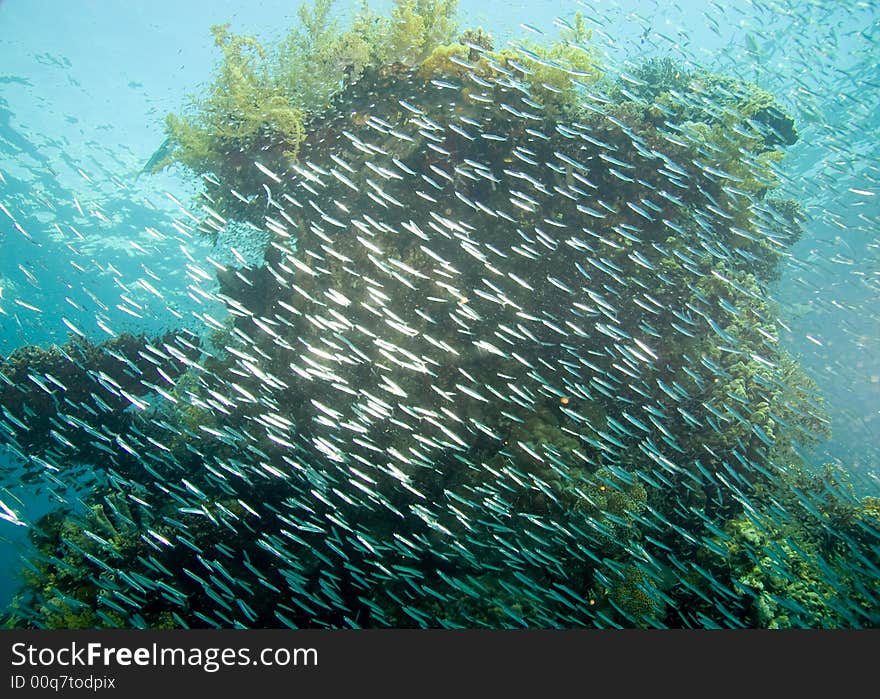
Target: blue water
85	86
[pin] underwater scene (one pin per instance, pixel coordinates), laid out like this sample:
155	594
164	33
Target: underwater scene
440	314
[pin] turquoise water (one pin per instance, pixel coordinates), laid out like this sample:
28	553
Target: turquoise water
90	245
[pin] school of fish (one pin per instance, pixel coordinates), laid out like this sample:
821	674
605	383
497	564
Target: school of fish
495	368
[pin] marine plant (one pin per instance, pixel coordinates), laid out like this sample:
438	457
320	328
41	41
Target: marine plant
261	97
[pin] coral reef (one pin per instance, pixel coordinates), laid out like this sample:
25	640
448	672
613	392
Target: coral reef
83	388
509	359
789	558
